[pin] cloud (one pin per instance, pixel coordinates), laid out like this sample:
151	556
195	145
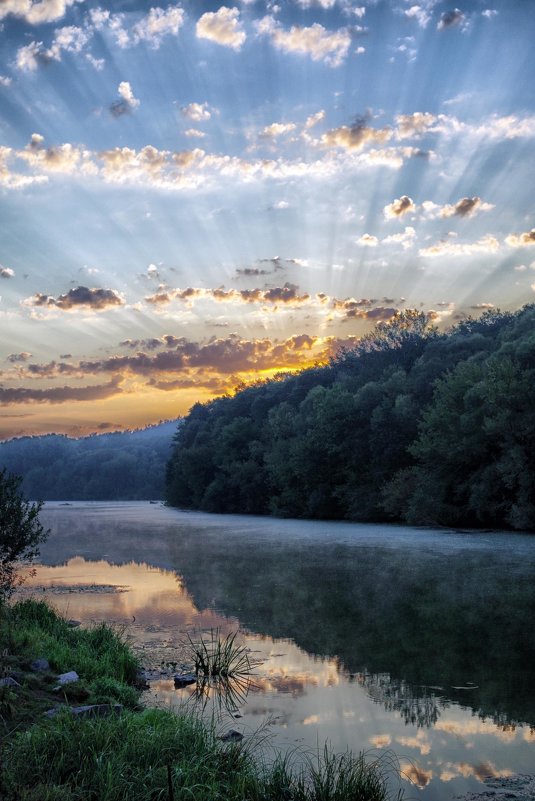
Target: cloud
128	100
466	207
414	125
157	24
64	158
277	129
367	240
197	112
418	13
526	239
315	41
489	13
355	136
29	57
6	272
36	13
448	19
5	81
17	358
399	207
415	774
10	395
287	294
487	244
405	239
80	297
313	119
223	27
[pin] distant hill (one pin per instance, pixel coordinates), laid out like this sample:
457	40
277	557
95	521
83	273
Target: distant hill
126	465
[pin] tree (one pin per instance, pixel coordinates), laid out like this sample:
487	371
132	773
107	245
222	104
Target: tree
21	533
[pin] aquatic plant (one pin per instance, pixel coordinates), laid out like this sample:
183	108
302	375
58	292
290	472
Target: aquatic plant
219	657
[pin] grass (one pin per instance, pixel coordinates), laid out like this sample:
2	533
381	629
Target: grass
149	755
219	657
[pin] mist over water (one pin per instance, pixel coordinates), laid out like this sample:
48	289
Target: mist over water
370	636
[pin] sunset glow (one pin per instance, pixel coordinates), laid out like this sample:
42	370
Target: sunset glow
194	195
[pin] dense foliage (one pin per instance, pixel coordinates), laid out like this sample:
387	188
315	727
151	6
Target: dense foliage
127	465
411	425
21	533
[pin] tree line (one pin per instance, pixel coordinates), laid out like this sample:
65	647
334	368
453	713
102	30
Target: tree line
126	465
412	425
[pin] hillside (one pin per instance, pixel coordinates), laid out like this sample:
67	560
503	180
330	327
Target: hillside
413	425
128	465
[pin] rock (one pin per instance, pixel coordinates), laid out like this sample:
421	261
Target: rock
68	678
232	736
73	623
40	665
183	679
88	711
8	681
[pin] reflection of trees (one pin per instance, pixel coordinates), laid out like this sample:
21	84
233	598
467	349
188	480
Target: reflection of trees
404	617
417	706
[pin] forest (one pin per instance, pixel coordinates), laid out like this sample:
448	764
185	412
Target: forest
126	465
413	425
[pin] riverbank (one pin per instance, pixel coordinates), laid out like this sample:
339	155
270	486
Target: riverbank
67	739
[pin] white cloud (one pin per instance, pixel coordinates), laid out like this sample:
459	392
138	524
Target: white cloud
489	13
194	133
28	56
277	129
315	41
486	244
5	81
97	63
405	239
157	24
418	13
313	119
36	13
223	27
125	91
197	112
523	240
367	240
6	272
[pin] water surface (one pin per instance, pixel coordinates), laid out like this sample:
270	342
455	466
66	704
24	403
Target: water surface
388	638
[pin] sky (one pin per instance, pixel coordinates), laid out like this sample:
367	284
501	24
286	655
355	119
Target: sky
195	196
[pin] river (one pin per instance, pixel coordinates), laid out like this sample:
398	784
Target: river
411	643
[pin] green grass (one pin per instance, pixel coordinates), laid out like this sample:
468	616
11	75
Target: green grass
217	656
150	755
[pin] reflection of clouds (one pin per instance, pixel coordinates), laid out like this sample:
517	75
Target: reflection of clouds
420	743
470	727
380	740
481	771
416	774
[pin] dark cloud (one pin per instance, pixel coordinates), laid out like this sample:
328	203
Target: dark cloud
6	272
227	355
249	272
450	18
16	358
285	294
59	394
65	355
80	296
465	206
119	108
146	344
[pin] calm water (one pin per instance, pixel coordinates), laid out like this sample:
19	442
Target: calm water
411	641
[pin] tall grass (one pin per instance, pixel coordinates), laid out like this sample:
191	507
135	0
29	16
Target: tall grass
127	758
32	629
219	657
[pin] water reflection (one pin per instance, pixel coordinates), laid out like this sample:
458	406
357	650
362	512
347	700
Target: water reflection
418	642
